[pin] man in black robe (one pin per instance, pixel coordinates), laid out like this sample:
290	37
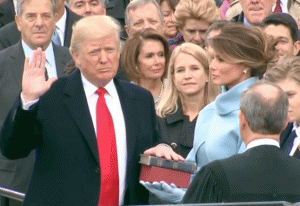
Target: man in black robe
263	172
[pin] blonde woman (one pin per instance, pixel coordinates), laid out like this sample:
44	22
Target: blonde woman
192	19
186	93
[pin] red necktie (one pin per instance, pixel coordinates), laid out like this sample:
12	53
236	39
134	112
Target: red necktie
278	7
107	150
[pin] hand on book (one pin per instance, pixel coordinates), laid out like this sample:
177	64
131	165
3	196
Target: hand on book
164	191
165	151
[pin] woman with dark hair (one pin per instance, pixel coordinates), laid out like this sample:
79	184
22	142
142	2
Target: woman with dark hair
168	9
144	58
239	57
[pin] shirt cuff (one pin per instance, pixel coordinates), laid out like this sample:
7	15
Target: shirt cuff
27	105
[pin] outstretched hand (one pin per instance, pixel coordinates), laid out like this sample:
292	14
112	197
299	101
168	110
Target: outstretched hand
34	83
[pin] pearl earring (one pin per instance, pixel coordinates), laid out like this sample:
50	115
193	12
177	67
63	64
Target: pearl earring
245	71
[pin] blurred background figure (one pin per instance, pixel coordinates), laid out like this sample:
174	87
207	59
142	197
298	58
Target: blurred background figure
168	9
87	7
7	11
254	12
141	15
239	57
287	76
10	35
144	58
192	19
284	29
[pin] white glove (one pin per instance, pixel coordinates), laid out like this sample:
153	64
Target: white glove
164	191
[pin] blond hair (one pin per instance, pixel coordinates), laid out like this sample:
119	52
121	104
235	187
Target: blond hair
287	68
169	102
205	10
96	26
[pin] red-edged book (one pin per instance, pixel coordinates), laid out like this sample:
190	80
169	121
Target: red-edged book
155	169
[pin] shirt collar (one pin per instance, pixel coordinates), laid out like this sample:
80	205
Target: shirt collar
90	89
297	129
61	23
49	53
265	141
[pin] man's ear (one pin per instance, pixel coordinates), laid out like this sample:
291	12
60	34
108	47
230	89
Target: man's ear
126	29
17	19
242	119
296	48
75	58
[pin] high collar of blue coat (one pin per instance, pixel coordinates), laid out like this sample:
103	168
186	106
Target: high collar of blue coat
229	100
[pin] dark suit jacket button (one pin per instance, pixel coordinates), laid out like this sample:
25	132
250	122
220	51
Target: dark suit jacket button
97	170
174	145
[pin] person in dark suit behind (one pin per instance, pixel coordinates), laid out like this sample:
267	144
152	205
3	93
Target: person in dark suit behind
10	35
35	33
7	12
287	76
63	125
87	7
262	172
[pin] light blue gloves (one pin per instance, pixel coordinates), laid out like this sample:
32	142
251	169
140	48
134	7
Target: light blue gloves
165	191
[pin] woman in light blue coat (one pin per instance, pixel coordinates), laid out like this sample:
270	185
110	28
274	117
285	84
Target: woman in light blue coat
239	57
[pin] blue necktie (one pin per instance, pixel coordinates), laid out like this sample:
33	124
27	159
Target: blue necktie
55	37
289	143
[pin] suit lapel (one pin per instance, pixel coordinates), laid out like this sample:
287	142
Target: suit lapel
71	19
76	103
17	58
127	100
60	60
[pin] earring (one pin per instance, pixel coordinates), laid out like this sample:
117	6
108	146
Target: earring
206	80
245	71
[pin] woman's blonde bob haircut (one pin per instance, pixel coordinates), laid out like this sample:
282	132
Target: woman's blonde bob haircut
287	69
205	10
169	102
132	48
244	45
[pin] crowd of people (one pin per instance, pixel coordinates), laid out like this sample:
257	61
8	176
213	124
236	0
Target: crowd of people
86	86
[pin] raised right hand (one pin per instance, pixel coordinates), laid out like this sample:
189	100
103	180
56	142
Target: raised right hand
34	83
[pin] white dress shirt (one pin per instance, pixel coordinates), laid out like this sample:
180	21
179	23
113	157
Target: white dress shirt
260	142
50	58
114	106
283	4
296	140
61	27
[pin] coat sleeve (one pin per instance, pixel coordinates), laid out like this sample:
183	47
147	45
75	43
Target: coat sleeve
20	133
208	186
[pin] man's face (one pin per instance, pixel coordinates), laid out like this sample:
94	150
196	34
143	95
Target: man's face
285	46
255	11
87	7
143	17
36	23
98	59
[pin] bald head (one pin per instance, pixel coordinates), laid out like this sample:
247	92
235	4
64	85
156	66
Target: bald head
265	107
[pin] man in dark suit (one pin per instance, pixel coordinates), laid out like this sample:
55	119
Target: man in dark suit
65	126
7	12
10	35
263	172
35	33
